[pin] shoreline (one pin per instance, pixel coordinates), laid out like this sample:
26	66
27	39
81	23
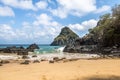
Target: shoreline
49	56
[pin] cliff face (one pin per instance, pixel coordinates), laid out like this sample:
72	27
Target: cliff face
66	36
85	44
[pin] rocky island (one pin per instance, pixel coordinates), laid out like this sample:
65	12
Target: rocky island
66	36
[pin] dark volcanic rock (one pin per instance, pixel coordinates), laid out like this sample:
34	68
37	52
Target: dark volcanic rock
7	50
5	61
19	50
36	61
84	44
25	62
51	61
34	55
66	36
0	64
25	57
22	52
32	47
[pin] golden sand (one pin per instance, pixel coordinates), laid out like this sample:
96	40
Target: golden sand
75	70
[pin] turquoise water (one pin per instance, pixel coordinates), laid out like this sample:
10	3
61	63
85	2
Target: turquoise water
47	49
43	48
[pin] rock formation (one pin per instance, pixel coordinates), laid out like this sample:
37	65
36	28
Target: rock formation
104	38
20	50
32	47
66	36
80	45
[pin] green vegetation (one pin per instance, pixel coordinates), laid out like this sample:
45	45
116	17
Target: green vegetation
66	36
107	31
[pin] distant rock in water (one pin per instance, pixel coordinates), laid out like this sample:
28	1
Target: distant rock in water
66	36
32	47
19	50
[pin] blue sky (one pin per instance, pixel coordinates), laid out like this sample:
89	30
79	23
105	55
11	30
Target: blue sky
40	21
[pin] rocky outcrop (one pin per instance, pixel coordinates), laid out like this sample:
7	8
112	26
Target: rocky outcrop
66	36
32	47
12	49
104	38
19	50
26	62
80	45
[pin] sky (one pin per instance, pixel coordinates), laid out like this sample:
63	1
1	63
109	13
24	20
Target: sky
40	21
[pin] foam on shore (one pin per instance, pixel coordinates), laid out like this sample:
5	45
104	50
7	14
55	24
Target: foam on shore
51	56
8	57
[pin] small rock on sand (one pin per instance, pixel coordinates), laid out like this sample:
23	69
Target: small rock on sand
56	58
25	62
25	57
51	61
4	61
0	64
36	61
34	55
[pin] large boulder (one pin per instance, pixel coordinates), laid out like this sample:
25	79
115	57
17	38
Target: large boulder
13	49
7	50
22	52
66	36
32	47
85	44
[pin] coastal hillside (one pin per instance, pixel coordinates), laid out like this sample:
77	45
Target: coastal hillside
107	31
104	37
66	36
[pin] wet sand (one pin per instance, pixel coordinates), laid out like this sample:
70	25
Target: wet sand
104	69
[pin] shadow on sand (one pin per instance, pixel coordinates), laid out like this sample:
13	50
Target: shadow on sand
100	77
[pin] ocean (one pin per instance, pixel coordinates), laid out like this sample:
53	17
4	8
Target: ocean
44	48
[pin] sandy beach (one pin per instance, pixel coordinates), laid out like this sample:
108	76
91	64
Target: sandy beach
103	69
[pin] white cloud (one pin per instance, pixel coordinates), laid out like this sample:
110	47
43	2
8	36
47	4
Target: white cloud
22	4
25	4
49	26
89	24
76	27
74	7
38	33
77	8
6	32
6	11
60	12
103	9
41	4
25	33
30	31
42	19
84	26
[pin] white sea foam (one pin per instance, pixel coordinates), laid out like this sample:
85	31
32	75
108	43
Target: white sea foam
8	57
61	49
52	55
